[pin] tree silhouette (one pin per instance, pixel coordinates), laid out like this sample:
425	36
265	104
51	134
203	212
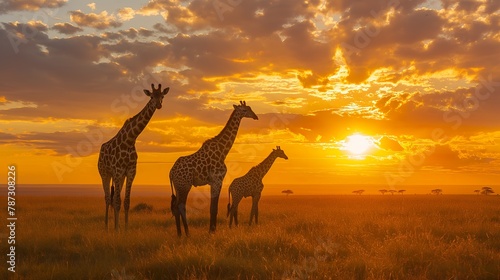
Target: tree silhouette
358	192
487	191
287	192
383	191
477	191
437	191
392	191
401	191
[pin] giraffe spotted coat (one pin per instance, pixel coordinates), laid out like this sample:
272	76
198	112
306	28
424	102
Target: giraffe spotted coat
251	185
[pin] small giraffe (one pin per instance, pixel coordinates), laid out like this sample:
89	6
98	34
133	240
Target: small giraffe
118	157
251	184
205	166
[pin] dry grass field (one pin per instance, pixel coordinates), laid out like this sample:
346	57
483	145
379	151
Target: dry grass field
299	237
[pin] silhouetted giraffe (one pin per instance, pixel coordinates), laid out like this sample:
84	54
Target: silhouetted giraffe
118	157
251	184
206	166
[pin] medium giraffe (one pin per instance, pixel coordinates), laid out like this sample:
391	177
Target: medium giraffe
251	184
118	157
205	166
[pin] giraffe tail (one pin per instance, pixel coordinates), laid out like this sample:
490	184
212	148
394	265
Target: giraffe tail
173	202
112	193
229	204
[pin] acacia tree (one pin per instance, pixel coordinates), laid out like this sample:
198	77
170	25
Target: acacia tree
401	191
287	192
437	191
487	191
358	192
392	191
383	191
477	191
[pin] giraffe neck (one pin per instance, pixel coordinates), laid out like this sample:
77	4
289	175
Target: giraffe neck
135	125
262	168
228	134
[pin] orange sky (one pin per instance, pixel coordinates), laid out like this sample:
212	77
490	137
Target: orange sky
356	92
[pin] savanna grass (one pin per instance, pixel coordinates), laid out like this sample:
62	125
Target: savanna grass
299	237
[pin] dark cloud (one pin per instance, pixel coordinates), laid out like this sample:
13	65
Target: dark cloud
387	143
137	56
445	156
458	112
66	28
29	5
370	47
7	138
255	18
355	10
102	76
78	47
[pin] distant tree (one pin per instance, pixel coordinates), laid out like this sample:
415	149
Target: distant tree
487	191
477	191
287	192
401	191
358	192
392	191
437	191
383	191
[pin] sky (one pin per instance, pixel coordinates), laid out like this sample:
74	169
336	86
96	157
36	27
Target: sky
387	92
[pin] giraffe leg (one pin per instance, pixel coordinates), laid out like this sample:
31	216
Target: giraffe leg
231	215
180	214
107	197
182	210
214	205
255	209
117	201
178	224
234	211
126	202
236	216
174	207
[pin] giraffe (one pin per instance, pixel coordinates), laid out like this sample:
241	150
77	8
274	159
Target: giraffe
251	184
205	166
118	157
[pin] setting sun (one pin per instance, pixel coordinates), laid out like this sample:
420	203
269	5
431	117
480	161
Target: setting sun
357	144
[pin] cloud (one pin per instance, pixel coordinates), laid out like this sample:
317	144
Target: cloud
125	14
174	13
387	143
209	61
7	138
445	156
458	111
29	5
66	28
99	21
131	33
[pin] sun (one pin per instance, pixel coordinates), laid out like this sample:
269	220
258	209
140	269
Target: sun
357	144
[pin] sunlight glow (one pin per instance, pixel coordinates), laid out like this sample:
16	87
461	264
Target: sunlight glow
357	144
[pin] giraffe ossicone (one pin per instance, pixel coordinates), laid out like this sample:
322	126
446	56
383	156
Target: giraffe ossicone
251	184
205	166
118	157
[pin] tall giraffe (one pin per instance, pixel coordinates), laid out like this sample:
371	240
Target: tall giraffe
251	184
118	157
205	166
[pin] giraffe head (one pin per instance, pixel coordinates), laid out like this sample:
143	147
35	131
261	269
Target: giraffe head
245	111
278	152
157	95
